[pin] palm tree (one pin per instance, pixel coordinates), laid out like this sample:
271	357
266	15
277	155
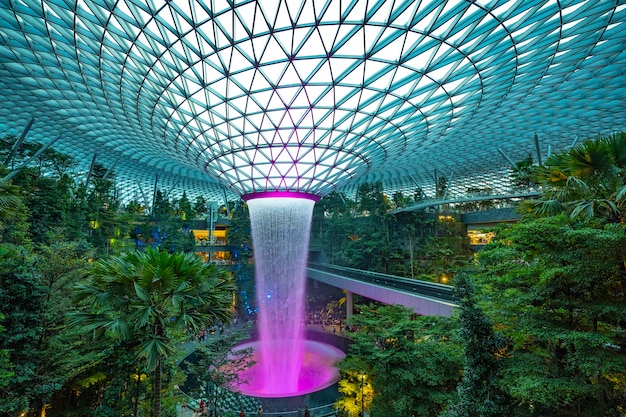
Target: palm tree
587	181
153	298
9	200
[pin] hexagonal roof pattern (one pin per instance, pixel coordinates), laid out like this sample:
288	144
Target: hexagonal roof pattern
230	97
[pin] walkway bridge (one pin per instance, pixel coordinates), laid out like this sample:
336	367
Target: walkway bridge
425	298
432	202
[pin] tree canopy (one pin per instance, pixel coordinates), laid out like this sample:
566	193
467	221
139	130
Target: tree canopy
555	288
411	362
153	298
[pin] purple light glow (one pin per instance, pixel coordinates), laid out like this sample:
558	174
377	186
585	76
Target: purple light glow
280	194
316	372
280	237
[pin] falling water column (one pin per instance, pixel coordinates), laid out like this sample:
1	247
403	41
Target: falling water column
281	224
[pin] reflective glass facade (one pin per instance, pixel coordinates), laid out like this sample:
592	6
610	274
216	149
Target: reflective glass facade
231	96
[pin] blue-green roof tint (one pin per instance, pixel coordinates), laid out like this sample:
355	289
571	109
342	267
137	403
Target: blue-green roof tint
311	96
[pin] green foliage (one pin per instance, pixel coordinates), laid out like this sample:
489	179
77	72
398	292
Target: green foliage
6	367
239	237
153	298
200	206
407	244
588	181
162	208
100	209
17	229
411	362
239	231
35	296
555	288
371	199
167	227
45	211
59	207
399	200
479	393
367	247
49	163
134	207
521	174
183	208
442	186
154	295
356	392
9	200
22	297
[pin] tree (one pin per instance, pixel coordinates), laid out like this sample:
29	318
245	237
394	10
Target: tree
331	206
14	226
47	200
101	206
239	232
521	173
9	200
587	181
371	199
6	367
200	206
410	361
22	296
162	208
183	208
59	268
555	286
400	200
367	247
356	392
442	187
479	394
153	297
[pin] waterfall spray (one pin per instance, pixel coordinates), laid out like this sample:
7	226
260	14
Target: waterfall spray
280	236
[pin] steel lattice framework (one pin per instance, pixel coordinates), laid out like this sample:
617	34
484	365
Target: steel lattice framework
241	96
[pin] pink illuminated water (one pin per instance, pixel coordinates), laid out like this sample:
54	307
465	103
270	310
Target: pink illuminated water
280	237
316	371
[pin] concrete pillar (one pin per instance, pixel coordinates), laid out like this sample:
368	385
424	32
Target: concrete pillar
349	304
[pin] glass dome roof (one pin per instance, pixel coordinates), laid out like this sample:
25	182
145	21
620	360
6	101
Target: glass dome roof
236	97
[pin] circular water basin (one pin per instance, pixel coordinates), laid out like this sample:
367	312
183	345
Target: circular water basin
316	371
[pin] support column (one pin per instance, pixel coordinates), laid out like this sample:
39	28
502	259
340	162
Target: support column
349	305
538	148
33	157
513	164
18	143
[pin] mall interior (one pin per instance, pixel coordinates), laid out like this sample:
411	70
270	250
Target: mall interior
453	159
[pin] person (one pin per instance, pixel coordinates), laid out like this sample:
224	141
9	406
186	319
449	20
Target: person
300	411
307	413
242	413
259	411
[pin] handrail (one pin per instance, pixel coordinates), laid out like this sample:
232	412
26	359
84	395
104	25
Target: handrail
428	289
466	199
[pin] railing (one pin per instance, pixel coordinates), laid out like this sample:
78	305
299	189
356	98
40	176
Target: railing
471	197
428	289
224	262
190	407
321	411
